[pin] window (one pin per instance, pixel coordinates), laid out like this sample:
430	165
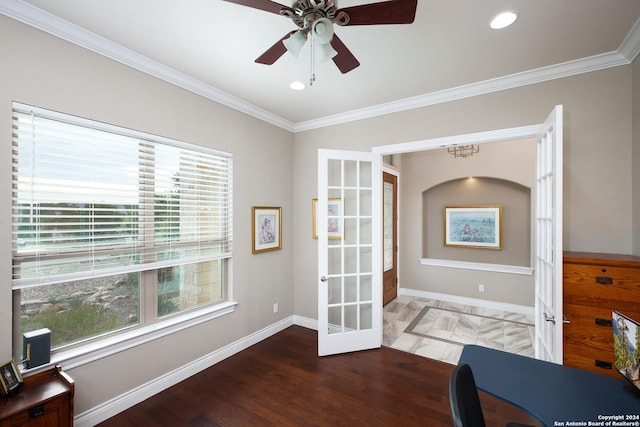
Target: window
114	229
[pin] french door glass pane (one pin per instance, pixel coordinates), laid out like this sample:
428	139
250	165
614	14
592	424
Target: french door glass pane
335	320
350	289
350	257
335	290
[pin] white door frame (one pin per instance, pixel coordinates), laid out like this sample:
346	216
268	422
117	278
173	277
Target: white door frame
508	134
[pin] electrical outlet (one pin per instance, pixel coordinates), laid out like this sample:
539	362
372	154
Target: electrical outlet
480	288
275	307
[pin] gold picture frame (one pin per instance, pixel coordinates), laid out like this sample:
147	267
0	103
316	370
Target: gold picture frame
473	226
266	228
334	206
10	378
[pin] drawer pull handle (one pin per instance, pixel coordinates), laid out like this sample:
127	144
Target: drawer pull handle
603	322
604	280
36	411
603	364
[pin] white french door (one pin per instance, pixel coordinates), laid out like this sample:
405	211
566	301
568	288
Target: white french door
349	251
548	263
349	255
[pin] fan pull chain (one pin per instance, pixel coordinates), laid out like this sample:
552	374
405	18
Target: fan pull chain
312	77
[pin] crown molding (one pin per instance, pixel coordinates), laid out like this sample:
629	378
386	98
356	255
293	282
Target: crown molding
626	53
37	18
586	65
630	46
51	24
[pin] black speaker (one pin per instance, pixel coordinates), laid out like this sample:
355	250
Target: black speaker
36	347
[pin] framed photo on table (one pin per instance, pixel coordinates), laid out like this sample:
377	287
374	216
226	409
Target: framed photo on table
334	212
10	378
266	228
473	226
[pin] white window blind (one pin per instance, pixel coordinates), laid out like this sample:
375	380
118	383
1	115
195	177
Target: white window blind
91	199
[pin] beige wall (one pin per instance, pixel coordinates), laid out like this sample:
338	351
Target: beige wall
427	169
597	167
45	71
421	184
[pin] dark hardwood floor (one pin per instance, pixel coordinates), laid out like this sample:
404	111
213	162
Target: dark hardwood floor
281	381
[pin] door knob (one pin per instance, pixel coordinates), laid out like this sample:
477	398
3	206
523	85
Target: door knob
323	279
548	318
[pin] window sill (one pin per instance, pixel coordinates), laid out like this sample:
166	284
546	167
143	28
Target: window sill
93	351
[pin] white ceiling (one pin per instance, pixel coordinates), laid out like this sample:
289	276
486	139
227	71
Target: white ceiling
209	47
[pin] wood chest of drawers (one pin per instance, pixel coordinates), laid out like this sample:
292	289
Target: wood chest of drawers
44	400
593	286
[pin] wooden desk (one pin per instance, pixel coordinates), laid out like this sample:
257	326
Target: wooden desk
45	399
554	394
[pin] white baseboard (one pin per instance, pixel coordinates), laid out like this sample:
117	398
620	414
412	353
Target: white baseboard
306	322
116	405
496	305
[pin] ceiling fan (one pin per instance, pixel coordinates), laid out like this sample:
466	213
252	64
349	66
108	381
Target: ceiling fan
315	19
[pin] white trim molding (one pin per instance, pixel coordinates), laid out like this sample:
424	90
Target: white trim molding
466	265
37	18
507	134
539	75
494	305
305	322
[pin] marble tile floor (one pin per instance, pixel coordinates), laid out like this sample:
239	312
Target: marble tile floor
439	329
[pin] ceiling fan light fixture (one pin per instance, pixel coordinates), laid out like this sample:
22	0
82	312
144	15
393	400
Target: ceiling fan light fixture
297	85
295	42
322	30
316	18
503	20
325	52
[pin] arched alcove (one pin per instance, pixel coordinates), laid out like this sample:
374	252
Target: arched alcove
515	200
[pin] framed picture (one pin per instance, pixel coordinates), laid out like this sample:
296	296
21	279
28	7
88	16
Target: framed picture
266	227
473	226
10	378
334	212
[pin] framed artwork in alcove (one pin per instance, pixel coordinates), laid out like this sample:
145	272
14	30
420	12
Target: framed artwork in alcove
473	226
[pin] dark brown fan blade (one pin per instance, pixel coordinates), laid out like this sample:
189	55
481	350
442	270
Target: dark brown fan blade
386	12
266	5
344	60
274	53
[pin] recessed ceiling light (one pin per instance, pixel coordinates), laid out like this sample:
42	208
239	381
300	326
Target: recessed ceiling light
503	20
297	86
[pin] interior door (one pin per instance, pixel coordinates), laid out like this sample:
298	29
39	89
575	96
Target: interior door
349	251
389	237
548	263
